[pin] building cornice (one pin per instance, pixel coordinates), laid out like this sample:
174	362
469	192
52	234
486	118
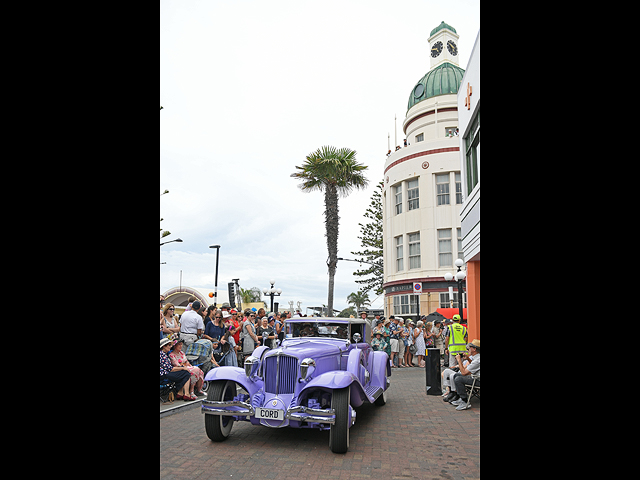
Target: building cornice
420	154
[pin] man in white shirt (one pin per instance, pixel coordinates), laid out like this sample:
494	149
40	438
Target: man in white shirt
191	324
464	377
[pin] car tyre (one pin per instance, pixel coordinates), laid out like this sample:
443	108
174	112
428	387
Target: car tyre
218	427
339	432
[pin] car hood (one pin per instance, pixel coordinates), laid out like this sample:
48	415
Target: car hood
309	347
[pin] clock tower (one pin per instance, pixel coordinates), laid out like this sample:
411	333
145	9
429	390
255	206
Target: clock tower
443	45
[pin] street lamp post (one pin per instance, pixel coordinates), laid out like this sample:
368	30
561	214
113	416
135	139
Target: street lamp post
272	292
176	240
459	276
215	288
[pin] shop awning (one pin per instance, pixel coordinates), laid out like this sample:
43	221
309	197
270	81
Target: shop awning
450	312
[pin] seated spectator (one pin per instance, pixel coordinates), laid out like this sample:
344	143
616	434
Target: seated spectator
179	359
457	381
171	324
378	344
179	375
191	325
266	333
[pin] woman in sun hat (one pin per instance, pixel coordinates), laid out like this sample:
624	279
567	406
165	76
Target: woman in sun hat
179	359
179	375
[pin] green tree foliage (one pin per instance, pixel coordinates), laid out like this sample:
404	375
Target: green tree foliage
371	241
358	299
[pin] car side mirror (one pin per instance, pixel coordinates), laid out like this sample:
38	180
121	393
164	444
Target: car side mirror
357	337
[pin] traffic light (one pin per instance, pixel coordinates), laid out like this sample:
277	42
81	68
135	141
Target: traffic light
232	294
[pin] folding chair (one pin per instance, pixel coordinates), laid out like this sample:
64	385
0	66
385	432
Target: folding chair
473	389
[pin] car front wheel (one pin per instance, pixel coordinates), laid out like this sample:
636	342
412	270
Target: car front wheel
218	427
339	433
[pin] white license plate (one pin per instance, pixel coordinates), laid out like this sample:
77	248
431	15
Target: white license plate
269	413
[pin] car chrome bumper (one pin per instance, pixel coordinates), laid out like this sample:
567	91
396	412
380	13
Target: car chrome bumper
311	415
211	407
300	413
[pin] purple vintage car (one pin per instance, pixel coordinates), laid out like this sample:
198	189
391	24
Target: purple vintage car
322	370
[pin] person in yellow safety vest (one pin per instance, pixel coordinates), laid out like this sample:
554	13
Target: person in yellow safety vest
456	340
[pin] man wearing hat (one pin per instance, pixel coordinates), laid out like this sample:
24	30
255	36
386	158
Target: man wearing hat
464	377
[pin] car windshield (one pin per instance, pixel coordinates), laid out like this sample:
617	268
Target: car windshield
319	329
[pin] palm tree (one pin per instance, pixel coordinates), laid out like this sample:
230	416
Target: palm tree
334	172
358	299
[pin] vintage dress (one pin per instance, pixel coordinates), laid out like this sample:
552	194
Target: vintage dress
177	358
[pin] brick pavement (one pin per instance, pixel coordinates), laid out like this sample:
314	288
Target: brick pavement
412	436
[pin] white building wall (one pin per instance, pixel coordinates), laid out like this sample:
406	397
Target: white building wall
470	213
429	217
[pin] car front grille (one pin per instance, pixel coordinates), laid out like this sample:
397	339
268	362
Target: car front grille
280	374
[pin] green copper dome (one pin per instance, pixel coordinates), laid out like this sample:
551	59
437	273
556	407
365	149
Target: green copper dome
442	80
441	26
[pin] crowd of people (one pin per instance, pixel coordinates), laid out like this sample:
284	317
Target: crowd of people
402	342
235	334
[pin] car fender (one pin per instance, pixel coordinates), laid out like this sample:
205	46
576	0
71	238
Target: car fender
379	365
336	380
237	375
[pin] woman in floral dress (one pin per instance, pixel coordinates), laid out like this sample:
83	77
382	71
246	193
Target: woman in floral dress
179	359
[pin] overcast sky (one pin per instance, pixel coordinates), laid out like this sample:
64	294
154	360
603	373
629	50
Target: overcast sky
249	88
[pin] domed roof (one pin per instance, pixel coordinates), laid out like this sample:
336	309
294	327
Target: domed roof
442	80
441	26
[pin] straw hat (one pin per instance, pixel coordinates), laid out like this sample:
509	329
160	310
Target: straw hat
475	343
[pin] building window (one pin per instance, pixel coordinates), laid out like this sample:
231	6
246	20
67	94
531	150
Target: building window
472	148
399	262
460	254
442	186
405	304
414	250
413	194
451	131
420	137
444	248
458	189
398	199
445	303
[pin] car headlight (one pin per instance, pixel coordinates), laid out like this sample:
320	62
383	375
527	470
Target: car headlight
251	365
307	367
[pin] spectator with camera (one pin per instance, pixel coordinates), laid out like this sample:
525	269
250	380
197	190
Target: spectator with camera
467	365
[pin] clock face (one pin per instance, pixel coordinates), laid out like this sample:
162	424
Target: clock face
452	47
436	49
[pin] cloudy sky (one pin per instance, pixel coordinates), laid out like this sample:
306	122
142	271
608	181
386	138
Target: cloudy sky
249	88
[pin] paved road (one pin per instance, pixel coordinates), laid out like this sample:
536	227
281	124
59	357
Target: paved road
412	436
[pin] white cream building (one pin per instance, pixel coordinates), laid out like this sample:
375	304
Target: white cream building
423	190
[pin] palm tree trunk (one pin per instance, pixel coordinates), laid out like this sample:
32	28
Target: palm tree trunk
331	222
